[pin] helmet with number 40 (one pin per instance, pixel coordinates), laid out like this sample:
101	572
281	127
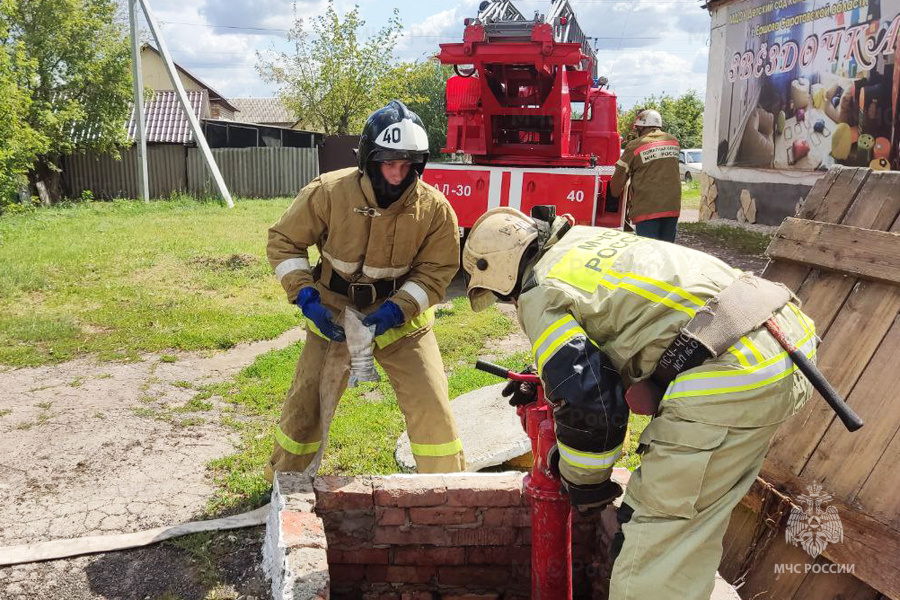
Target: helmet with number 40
393	133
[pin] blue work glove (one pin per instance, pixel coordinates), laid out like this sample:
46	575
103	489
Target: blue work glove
387	316
310	303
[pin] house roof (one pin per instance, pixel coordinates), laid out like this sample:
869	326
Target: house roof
213	94
263	110
164	120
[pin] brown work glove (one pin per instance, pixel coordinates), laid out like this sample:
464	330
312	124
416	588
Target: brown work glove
521	393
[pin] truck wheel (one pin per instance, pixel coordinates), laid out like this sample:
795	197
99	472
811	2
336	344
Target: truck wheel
687	177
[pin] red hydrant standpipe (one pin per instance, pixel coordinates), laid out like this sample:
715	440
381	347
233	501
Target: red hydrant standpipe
551	512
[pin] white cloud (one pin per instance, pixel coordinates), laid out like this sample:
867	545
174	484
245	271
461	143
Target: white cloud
423	39
637	74
260	13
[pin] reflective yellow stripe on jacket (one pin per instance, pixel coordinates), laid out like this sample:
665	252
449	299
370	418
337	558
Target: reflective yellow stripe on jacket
598	461
583	268
708	383
390	336
446	449
560	332
293	447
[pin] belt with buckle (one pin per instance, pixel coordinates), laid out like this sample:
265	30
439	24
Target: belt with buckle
362	295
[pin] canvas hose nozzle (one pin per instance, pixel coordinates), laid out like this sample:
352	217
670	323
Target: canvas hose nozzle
360	340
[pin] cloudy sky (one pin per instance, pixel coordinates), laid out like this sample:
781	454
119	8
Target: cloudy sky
644	46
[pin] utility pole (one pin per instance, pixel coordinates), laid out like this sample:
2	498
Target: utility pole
185	105
140	131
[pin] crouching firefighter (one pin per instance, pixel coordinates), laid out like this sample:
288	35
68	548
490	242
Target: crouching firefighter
688	337
389	246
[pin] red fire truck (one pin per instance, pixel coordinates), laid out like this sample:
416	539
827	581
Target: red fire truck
527	108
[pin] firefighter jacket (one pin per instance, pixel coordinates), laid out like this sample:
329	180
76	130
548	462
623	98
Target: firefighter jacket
651	161
601	303
415	241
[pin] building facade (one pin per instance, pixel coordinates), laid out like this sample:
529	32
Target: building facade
793	87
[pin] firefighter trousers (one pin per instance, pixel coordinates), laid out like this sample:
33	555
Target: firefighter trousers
415	369
682	497
703	450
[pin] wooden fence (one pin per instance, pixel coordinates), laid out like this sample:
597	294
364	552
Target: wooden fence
248	172
841	256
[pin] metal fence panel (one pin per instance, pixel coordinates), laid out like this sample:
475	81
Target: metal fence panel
115	175
248	172
254	172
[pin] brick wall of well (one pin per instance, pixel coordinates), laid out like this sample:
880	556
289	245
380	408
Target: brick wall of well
427	537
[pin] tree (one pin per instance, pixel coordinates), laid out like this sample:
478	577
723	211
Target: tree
682	117
333	79
19	143
421	85
80	90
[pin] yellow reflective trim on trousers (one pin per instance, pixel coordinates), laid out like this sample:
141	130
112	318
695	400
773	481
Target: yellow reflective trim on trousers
446	449
682	388
589	460
391	335
295	447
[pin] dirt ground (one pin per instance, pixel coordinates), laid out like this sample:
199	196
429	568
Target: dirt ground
742	261
91	448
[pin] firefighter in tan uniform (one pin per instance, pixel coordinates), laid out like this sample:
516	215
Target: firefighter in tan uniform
651	161
389	246
603	309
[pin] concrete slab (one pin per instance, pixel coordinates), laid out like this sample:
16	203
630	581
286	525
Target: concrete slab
489	429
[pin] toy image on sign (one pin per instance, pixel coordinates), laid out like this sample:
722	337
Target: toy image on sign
809	84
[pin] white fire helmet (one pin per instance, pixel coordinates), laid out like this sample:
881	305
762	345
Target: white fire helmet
648	118
492	254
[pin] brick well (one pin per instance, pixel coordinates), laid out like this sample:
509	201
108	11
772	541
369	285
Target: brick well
416	537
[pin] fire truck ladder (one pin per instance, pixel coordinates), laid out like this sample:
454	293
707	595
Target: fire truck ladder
502	20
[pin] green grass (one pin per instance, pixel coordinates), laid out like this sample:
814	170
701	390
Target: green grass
121	278
741	240
690	195
4	411
367	423
118	279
